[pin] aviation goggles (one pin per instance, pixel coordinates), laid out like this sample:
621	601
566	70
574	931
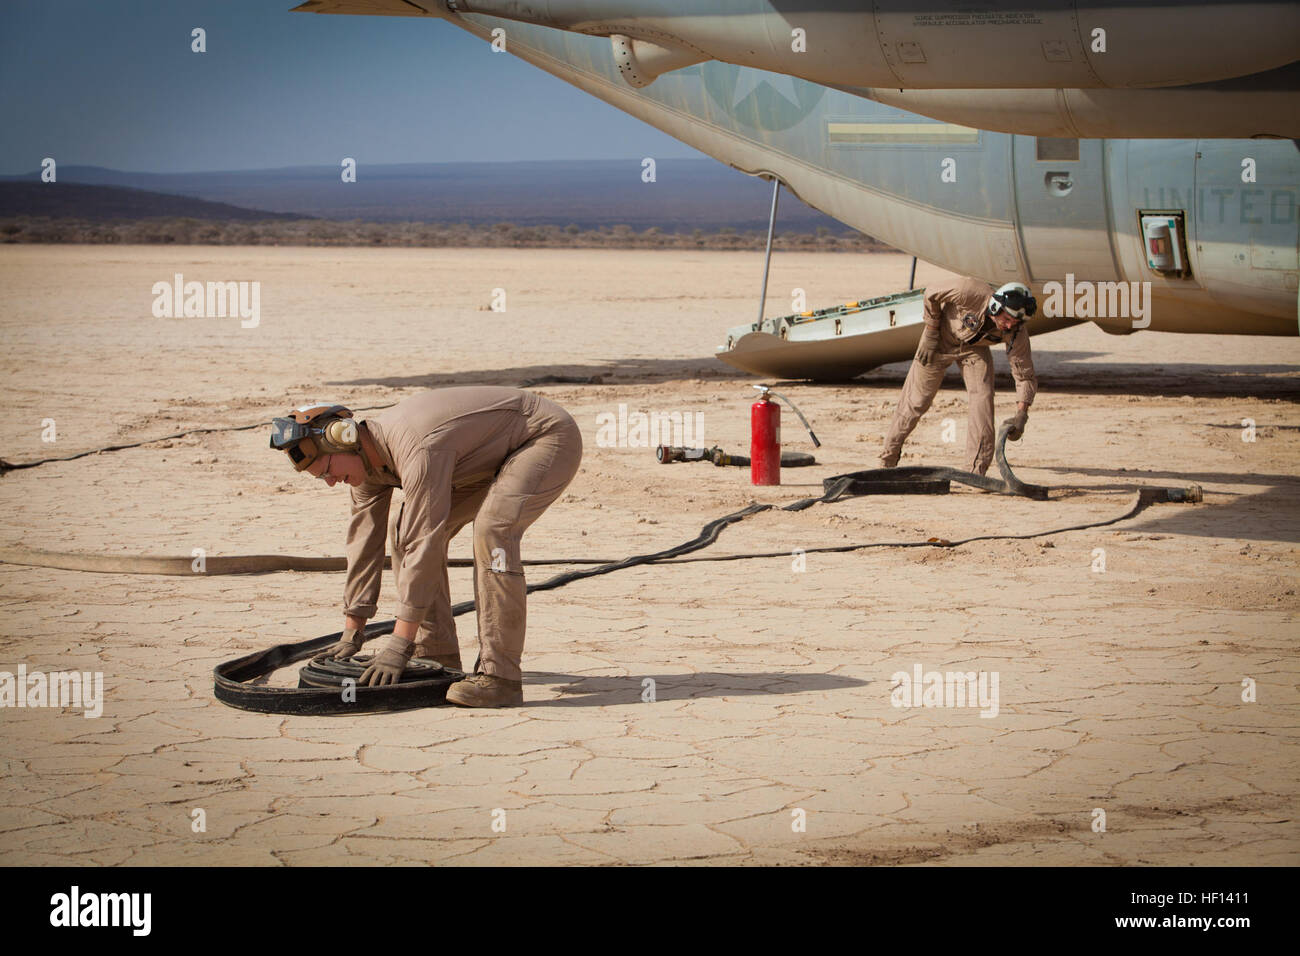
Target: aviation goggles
329	431
1015	302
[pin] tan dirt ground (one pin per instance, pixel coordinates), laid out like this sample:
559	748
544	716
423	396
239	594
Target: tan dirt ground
1120	690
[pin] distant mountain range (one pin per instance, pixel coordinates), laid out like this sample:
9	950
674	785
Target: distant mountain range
66	200
688	194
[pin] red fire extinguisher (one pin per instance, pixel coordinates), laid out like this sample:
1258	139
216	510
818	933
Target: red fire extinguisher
765	437
764	440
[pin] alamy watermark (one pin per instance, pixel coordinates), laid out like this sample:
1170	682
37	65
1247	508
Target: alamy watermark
1098	300
626	429
950	689
210	300
76	908
83	689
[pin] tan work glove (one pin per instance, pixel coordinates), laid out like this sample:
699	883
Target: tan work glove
1017	424
348	646
927	352
390	660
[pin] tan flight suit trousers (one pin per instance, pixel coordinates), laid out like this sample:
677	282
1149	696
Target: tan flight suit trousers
501	508
922	384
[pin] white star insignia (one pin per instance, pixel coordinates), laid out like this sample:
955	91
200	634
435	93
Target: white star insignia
749	80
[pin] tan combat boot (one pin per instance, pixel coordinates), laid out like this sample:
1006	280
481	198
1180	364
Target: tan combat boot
484	690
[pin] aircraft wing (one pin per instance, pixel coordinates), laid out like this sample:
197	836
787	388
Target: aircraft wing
1229	69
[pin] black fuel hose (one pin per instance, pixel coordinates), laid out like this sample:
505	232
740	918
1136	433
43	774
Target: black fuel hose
8	466
231	680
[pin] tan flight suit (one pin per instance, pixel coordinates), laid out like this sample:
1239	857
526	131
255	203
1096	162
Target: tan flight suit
494	456
957	310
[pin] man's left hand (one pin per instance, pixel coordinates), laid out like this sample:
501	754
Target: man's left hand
390	660
1017	424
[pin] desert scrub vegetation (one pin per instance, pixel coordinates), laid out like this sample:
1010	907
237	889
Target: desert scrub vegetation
324	232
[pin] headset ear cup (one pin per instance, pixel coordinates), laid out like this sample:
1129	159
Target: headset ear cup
342	434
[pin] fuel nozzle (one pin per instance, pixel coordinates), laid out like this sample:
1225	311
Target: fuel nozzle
667	454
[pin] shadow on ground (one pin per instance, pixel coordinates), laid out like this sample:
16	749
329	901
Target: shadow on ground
1070	373
1060	372
1213	519
611	691
615	372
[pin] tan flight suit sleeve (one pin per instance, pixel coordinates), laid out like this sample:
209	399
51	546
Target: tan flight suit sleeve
1022	366
426	480
934	306
365	549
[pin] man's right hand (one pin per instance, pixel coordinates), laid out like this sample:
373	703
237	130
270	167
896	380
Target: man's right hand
927	352
348	646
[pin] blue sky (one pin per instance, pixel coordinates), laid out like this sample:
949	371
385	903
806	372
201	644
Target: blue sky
115	84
